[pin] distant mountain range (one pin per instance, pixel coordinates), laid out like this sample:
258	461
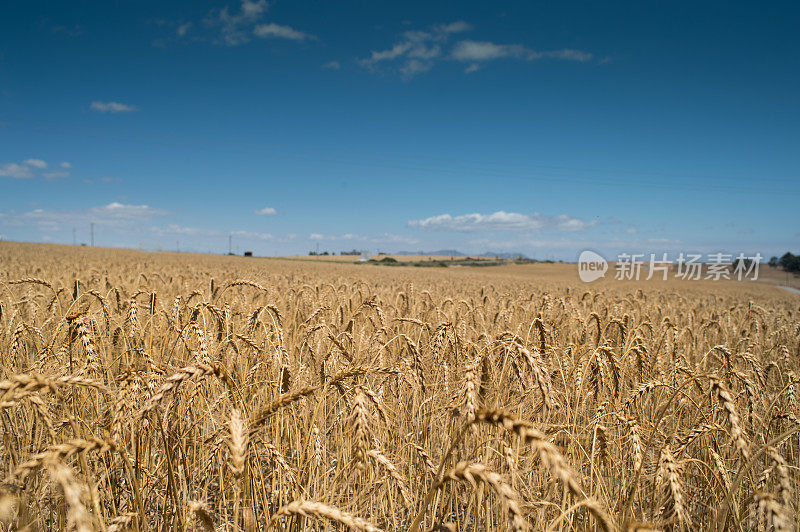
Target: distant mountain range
451	252
456	253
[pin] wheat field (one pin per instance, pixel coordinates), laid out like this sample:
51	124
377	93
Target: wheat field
186	392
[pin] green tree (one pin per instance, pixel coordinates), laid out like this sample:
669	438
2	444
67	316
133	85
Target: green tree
789	262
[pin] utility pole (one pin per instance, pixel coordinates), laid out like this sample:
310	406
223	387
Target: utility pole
230	243
178	246
74	240
92	224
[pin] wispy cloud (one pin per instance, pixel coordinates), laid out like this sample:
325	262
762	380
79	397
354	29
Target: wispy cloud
280	32
69	31
345	236
385	238
418	51
332	65
113	214
471	51
30	167
237	27
478	53
266	211
181	230
120	211
239	234
36	163
112	107
254	235
500	221
16	171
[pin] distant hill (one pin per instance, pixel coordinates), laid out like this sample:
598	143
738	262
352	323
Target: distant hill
448	252
456	253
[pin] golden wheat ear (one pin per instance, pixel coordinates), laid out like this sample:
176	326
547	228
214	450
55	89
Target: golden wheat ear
322	511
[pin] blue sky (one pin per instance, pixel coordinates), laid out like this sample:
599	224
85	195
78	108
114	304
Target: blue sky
541	128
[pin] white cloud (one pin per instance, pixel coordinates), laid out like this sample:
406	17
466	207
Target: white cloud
332	65
480	51
111	179
567	223
26	169
116	210
392	53
175	229
500	221
121	211
184	231
113	214
69	31
112	107
385	238
266	211
239	235
253	235
252	9
412	67
36	163
346	236
568	55
235	29
17	171
280	32
472	51
418	51
241	26
455	27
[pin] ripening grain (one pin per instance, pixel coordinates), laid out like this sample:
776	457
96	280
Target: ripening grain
186	392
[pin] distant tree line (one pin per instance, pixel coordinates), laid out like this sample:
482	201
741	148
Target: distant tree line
352	252
789	262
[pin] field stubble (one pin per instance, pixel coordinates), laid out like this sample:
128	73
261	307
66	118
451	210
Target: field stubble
182	392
